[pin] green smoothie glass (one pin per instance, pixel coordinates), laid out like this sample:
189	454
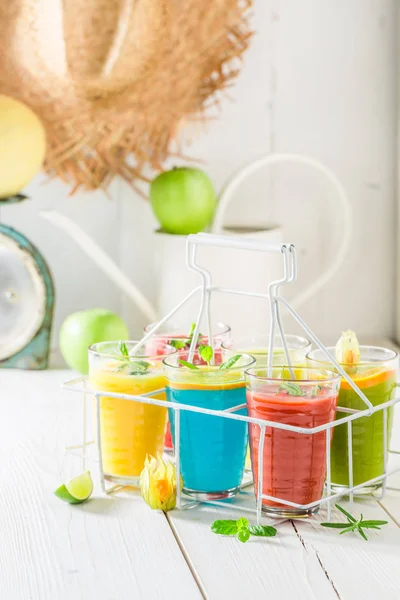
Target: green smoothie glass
257	346
375	375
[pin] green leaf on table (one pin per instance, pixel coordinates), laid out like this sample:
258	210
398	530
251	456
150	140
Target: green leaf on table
293	389
243	535
206	353
187	364
224	527
242	523
373	524
354	525
230	362
346	514
262	530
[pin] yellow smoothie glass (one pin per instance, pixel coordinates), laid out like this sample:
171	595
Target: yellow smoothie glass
129	430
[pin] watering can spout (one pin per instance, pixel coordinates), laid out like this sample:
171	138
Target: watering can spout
102	260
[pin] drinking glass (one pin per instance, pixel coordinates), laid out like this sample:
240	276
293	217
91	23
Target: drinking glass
375	375
129	430
257	346
212	448
171	334
294	464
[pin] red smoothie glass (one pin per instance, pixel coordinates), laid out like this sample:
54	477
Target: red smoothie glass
179	337
294	463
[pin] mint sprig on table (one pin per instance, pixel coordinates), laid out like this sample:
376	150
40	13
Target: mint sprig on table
242	529
353	524
129	366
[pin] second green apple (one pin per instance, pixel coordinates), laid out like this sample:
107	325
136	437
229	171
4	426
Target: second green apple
183	200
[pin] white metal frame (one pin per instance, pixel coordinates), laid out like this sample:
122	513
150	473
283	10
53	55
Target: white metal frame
275	302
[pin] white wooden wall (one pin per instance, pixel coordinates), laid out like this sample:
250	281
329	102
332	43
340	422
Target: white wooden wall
319	79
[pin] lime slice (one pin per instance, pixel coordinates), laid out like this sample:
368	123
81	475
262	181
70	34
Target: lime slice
77	490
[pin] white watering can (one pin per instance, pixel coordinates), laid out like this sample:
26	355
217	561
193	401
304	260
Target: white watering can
175	281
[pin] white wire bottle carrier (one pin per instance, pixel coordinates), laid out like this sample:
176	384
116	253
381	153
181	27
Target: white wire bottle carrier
276	301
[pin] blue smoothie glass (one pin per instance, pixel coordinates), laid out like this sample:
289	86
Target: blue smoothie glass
212	449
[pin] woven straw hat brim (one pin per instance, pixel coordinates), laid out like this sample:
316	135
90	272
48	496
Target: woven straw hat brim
113	80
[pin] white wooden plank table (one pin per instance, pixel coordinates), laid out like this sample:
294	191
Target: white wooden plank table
112	548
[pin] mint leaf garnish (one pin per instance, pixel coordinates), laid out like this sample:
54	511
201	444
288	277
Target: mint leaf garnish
262	530
206	353
123	349
129	366
353	524
139	367
315	390
224	527
291	388
191	332
187	364
178	344
242	529
230	362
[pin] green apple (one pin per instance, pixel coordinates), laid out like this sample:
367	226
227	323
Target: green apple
82	329
183	200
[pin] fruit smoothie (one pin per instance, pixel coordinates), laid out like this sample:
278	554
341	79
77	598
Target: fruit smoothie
294	464
129	430
212	449
180	338
257	346
375	375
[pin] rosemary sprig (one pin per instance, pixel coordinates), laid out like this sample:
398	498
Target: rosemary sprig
353	524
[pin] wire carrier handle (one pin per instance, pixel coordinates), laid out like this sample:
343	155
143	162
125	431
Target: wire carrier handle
228	241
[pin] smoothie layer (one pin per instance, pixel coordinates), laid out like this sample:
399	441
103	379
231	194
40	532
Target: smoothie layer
294	464
129	430
212	449
368	454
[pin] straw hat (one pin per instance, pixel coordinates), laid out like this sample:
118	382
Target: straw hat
113	80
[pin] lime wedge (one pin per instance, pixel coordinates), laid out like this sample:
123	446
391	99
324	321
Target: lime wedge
77	490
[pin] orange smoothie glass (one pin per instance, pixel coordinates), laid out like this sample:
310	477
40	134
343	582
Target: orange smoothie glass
294	464
129	430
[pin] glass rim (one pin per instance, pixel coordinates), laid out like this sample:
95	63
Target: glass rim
305	341
95	352
393	355
225	329
334	376
235	367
